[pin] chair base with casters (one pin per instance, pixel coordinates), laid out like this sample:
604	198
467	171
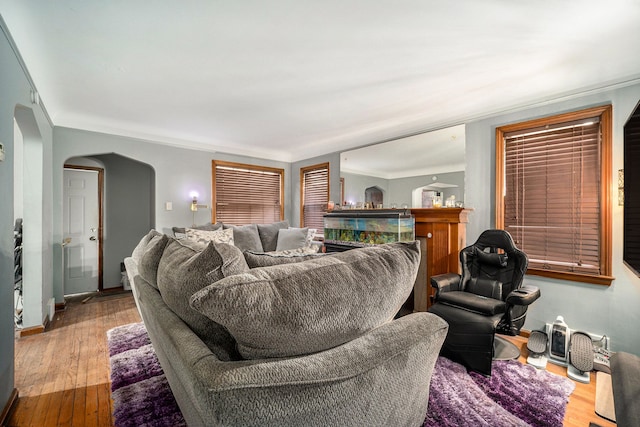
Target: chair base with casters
488	298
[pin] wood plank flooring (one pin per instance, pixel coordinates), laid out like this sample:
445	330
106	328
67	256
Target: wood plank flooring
62	375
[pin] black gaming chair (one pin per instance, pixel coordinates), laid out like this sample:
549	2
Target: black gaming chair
487	298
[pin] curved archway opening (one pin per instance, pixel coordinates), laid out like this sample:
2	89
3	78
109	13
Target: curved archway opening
128	209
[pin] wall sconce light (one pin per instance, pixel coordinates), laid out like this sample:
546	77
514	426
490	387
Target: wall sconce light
194	201
194	205
620	187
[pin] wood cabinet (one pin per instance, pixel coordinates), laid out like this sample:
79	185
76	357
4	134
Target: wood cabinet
442	234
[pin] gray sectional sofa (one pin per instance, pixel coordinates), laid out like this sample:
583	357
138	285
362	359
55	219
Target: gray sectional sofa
295	341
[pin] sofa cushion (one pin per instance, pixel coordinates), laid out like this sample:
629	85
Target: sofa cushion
187	267
269	234
306	307
246	237
292	238
215	236
142	244
266	259
148	265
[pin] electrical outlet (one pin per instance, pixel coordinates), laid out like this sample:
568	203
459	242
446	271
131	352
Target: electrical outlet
168	206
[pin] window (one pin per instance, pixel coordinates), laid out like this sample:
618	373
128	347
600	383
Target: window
553	180
245	194
314	195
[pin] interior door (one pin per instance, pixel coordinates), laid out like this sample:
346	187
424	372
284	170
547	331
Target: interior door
81	231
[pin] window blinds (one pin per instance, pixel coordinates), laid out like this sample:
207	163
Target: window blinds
244	195
552	198
315	187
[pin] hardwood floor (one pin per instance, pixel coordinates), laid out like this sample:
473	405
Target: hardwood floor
62	375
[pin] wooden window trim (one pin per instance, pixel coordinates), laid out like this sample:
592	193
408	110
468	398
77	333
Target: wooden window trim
606	177
216	163
303	171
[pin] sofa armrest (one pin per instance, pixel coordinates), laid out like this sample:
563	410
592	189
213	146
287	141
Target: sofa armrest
524	295
380	378
349	360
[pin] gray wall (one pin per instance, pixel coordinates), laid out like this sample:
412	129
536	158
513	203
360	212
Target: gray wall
14	92
129	211
611	310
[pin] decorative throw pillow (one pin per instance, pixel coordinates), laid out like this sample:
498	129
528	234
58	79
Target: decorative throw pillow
187	267
246	237
311	233
269	234
216	236
180	232
148	265
292	238
266	259
301	308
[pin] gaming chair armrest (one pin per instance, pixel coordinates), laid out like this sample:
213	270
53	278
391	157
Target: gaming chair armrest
446	282
524	295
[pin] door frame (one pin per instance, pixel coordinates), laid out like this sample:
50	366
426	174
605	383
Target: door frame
100	214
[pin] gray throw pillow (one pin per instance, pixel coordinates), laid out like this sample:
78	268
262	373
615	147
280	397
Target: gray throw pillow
269	234
139	249
148	265
246	237
292	238
187	267
306	307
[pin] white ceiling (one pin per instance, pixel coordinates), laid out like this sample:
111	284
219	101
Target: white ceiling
290	79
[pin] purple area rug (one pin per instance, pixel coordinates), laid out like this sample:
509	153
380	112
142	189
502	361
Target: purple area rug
140	391
515	395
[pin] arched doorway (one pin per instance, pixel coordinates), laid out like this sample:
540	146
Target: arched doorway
374	196
128	208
